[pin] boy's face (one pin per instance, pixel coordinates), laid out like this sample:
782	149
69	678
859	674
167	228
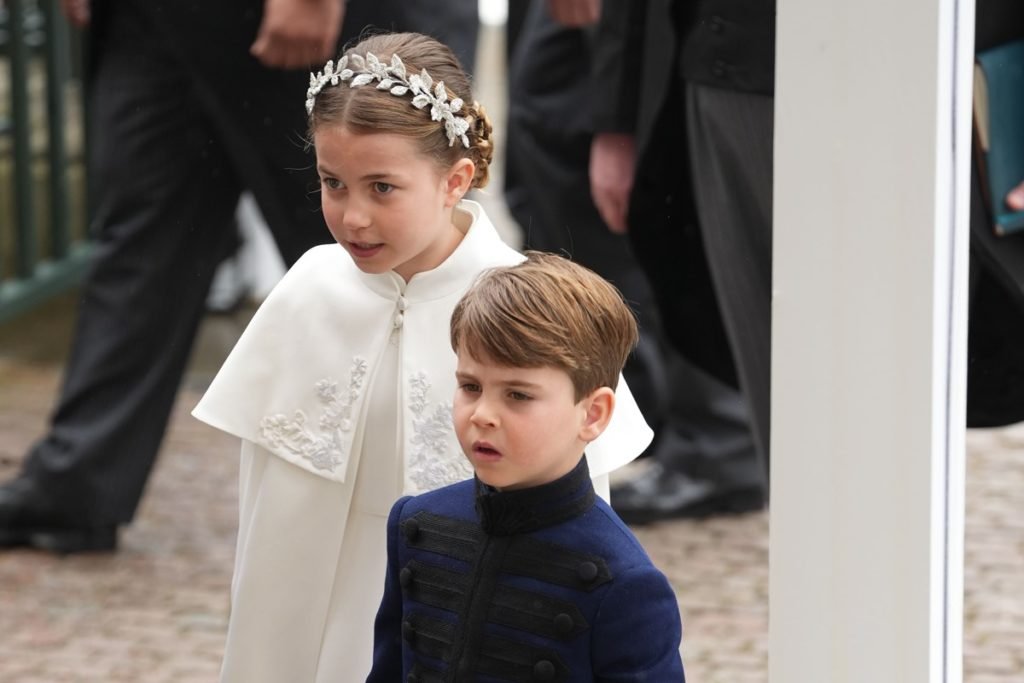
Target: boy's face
522	427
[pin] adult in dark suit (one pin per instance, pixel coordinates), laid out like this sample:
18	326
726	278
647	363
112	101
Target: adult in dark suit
683	157
190	103
703	460
693	119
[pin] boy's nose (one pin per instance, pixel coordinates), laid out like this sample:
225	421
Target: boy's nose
483	416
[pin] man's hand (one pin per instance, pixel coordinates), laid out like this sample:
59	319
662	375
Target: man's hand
612	164
575	13
1015	198
77	12
297	33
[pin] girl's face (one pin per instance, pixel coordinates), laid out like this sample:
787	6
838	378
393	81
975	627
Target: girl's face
385	202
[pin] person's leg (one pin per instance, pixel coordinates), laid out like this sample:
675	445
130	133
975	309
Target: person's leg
704	462
163	208
730	139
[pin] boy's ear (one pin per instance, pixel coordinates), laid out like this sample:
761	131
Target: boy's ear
458	181
600	405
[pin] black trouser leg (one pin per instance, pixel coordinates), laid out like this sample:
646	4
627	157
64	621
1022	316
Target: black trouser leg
165	200
730	137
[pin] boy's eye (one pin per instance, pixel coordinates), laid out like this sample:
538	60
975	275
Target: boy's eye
470	387
331	183
383	188
519	396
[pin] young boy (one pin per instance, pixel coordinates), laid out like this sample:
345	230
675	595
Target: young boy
523	574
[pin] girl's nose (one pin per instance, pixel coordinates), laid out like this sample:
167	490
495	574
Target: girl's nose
355	215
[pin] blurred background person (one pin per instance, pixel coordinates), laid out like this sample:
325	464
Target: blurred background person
703	461
682	159
188	104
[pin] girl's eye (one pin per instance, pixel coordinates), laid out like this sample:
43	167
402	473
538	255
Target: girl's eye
383	188
331	183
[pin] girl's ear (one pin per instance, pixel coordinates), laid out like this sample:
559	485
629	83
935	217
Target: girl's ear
599	406
458	181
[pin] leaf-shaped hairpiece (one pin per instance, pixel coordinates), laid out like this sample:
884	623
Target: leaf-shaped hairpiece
358	71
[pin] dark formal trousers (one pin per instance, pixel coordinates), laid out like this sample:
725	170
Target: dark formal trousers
182	119
729	134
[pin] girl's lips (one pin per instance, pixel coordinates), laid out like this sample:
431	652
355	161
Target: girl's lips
363	249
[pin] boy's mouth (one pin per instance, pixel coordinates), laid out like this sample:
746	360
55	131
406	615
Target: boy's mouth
485	449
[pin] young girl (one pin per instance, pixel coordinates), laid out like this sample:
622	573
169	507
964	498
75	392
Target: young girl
341	386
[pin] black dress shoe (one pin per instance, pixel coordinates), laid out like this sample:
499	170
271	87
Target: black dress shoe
29	520
660	493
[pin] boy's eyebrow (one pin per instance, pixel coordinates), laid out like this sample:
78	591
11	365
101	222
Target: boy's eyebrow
465	376
520	383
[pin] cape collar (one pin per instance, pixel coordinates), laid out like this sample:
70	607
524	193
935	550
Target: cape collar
505	513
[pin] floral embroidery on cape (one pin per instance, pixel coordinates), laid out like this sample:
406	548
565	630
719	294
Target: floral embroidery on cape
324	445
431	464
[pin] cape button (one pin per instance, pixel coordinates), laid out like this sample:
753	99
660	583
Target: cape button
563	624
543	671
405	577
402	303
398	320
408	630
587	571
411	529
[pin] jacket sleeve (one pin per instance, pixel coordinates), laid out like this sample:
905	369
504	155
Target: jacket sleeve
617	66
638	630
387	627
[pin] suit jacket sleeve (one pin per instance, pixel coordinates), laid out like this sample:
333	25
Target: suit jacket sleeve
387	627
638	630
617	66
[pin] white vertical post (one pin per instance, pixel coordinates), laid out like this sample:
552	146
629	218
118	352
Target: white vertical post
872	154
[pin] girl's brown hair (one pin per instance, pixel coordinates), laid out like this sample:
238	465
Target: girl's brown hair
365	109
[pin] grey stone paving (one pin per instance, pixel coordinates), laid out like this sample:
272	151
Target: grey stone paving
156	611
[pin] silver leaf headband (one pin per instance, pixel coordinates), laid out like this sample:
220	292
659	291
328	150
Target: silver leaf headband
392	77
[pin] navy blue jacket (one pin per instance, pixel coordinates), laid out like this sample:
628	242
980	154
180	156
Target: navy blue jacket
539	584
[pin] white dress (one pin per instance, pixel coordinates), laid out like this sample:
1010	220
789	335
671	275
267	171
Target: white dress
340	390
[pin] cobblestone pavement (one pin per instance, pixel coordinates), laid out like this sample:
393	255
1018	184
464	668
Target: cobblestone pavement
156	611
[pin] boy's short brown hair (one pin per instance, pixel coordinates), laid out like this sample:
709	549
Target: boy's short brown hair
547	311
